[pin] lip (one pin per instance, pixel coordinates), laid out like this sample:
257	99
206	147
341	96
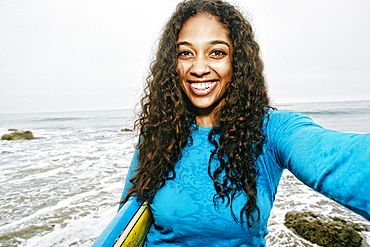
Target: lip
202	89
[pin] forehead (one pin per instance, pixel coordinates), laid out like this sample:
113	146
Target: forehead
203	27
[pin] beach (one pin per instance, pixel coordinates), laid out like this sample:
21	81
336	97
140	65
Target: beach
62	189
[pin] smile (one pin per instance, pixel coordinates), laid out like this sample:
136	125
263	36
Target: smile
202	85
202	88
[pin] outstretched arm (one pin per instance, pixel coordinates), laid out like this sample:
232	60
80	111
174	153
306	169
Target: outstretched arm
333	163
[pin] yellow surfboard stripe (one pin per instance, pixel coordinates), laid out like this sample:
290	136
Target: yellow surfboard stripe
135	232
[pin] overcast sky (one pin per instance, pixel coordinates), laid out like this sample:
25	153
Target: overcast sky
70	55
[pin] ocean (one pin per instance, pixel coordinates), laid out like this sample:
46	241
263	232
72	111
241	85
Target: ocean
62	189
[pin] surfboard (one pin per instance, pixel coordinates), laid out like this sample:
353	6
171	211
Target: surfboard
129	227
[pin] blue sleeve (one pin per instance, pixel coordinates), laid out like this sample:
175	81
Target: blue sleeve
130	174
333	163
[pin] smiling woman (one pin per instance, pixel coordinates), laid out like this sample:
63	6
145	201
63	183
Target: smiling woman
212	150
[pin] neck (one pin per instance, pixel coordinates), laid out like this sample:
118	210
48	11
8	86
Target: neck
205	122
207	117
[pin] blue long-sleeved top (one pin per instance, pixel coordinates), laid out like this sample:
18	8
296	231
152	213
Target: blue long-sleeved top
333	163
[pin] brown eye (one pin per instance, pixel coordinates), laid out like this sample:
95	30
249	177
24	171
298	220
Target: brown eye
184	54
218	53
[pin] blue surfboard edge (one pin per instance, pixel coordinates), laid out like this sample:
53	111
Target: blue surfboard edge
116	226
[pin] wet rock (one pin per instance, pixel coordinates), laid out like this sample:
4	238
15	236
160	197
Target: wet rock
325	231
126	130
18	135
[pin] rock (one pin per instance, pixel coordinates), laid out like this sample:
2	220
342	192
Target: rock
357	227
12	130
126	130
18	135
325	231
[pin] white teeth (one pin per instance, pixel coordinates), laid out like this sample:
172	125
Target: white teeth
202	85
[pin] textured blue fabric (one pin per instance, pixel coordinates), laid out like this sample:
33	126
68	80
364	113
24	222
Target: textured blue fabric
332	163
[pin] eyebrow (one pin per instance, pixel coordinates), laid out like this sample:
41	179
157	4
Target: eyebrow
213	42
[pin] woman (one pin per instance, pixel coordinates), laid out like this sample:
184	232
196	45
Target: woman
212	150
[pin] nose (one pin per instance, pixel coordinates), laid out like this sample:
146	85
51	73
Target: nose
200	66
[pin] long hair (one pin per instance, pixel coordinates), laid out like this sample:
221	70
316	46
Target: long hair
166	119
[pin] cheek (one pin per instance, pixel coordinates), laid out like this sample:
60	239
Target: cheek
178	68
181	69
224	69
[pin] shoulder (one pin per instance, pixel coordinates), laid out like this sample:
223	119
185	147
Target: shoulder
277	120
277	117
282	124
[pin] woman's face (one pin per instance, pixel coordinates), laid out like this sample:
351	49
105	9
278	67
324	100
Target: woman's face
204	61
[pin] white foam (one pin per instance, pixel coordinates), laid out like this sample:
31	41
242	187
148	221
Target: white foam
80	232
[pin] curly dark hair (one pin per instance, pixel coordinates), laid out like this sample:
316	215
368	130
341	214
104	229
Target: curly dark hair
165	122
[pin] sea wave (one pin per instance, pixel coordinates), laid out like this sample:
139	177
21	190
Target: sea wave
337	112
